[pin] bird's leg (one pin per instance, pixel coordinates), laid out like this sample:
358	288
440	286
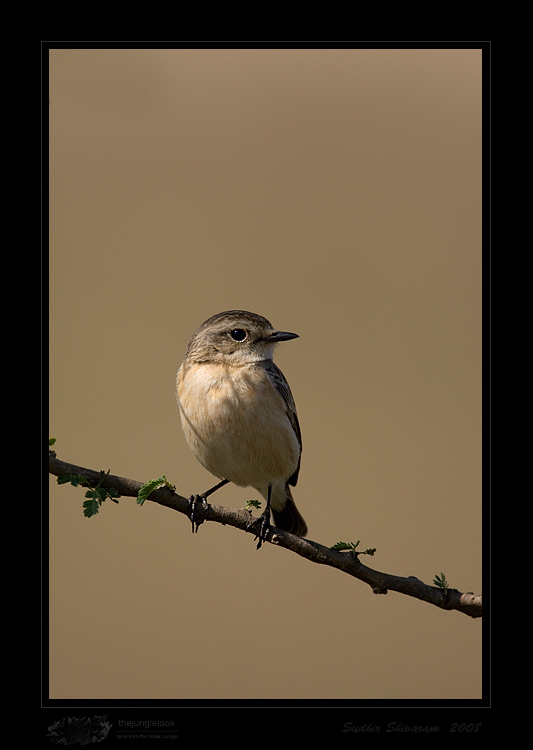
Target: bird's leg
265	520
202	499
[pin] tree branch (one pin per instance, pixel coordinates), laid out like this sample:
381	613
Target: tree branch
469	604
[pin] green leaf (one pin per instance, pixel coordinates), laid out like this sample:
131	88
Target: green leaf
51	441
344	546
74	479
441	582
97	493
90	508
149	487
352	548
252	504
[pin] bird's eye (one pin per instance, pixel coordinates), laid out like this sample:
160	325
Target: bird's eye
238	334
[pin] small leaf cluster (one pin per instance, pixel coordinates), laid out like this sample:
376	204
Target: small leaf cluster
441	582
252	504
351	547
95	495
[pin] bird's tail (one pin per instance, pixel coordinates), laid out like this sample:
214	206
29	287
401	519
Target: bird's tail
287	516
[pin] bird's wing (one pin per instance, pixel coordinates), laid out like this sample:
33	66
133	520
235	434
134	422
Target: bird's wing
278	380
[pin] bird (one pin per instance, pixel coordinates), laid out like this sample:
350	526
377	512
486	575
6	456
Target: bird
238	414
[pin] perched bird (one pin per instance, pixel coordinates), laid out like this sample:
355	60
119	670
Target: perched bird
238	413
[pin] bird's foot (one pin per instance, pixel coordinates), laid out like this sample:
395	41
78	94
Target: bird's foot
264	528
195	517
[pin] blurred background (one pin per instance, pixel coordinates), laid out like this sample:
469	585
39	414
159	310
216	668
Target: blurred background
337	193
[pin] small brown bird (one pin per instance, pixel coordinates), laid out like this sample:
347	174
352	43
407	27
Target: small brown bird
238	413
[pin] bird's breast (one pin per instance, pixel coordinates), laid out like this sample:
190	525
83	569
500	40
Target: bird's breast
236	423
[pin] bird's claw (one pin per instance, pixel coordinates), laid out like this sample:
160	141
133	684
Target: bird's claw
264	528
194	500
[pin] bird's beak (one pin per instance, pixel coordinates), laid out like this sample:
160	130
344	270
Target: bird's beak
282	336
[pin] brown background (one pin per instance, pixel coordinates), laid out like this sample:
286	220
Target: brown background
337	193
